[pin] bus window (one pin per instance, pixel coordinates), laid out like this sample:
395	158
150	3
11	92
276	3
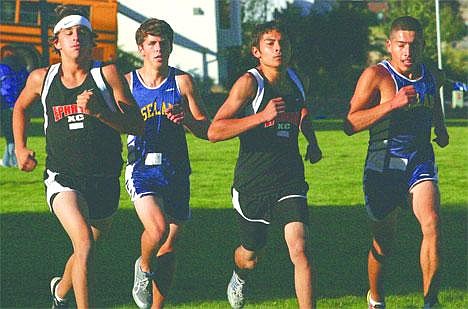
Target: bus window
7	11
20	20
29	13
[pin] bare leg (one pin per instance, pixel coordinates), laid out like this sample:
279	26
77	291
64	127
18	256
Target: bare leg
71	211
426	203
149	210
98	227
382	243
296	238
166	267
245	259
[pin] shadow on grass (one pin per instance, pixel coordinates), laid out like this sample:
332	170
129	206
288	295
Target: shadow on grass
34	248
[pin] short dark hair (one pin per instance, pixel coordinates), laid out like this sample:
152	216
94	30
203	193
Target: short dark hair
156	27
261	29
66	10
407	23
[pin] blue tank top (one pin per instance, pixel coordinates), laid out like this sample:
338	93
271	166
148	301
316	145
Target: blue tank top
161	135
397	138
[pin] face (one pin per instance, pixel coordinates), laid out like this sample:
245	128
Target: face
274	49
155	49
74	42
405	48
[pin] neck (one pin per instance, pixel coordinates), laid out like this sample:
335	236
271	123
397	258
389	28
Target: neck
74	73
274	75
153	76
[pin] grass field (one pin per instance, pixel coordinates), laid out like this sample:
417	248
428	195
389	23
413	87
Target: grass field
34	247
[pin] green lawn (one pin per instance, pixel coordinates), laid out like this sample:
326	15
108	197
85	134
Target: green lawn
34	246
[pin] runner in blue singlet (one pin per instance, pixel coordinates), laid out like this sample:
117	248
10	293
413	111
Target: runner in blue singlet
158	168
397	100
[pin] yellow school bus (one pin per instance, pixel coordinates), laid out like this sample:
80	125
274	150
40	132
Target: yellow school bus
23	27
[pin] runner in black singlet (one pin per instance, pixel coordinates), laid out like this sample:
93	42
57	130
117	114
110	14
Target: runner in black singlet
85	110
266	108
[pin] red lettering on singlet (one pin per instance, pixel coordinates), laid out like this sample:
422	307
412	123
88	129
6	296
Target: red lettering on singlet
64	110
291	117
269	123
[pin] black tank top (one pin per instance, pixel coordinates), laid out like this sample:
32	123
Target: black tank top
77	144
269	160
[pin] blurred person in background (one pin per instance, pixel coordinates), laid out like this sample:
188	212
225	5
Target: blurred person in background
13	75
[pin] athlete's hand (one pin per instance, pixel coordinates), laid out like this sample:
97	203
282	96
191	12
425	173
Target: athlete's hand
442	137
405	96
26	159
273	108
175	113
86	103
313	153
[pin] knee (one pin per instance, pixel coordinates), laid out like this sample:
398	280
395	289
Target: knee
83	249
156	233
249	264
166	249
244	259
381	248
298	253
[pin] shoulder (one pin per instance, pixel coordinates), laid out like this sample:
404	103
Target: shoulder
128	76
245	86
112	75
109	69
38	75
184	81
182	76
35	80
375	74
376	70
247	80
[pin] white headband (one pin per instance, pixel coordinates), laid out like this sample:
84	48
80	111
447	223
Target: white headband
70	21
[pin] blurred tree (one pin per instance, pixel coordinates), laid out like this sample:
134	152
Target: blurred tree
331	48
240	58
256	10
127	62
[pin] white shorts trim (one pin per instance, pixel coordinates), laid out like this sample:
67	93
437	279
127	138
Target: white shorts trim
130	185
433	179
292	196
237	207
53	187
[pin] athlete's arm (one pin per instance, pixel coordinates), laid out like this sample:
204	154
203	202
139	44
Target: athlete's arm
31	93
194	118
225	125
440	130
129	120
364	111
313	153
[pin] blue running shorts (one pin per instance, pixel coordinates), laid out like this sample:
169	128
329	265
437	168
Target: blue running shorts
172	188
387	190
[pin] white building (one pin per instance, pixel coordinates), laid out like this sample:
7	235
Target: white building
203	29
